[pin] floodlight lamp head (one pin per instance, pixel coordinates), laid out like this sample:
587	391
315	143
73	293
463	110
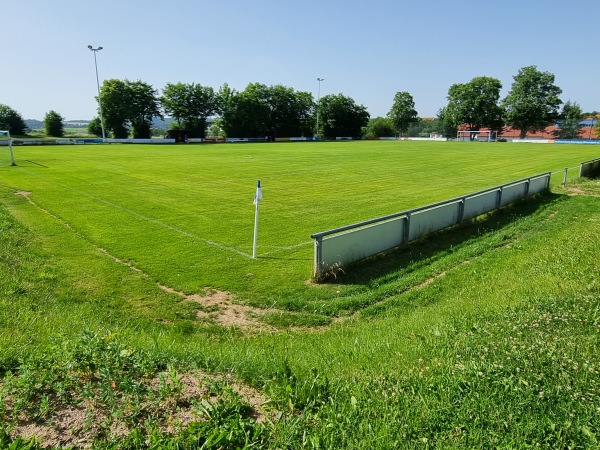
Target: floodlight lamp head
99	48
90	47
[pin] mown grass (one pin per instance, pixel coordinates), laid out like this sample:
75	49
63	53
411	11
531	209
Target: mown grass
184	214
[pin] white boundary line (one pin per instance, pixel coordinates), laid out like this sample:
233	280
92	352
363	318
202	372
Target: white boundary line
148	219
284	249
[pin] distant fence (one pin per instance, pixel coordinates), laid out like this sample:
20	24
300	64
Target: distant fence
556	141
590	168
341	246
52	141
578	141
262	139
69	141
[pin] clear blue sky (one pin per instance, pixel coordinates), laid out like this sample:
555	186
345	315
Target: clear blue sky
366	49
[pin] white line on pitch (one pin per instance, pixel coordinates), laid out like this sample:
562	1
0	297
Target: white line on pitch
284	249
148	219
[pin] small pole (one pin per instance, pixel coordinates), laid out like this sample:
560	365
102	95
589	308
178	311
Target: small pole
96	50
12	156
318	104
255	231
565	177
257	198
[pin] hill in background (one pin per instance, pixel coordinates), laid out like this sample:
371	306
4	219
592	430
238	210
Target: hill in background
34	124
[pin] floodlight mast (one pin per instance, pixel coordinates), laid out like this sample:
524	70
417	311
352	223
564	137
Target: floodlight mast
96	50
319	103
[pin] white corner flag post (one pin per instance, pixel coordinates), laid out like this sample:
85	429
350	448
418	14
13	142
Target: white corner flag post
12	155
257	198
10	149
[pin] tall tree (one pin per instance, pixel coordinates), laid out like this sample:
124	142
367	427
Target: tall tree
569	125
290	111
379	127
341	116
53	124
128	104
114	96
246	113
447	125
403	112
475	104
95	126
143	106
260	110
190	105
11	120
533	101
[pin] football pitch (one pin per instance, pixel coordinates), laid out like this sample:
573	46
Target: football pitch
184	214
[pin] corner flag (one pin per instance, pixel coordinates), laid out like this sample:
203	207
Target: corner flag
12	156
258	194
257	198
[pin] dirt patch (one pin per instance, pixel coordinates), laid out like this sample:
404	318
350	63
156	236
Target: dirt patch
79	425
574	190
67	429
220	307
217	306
23	193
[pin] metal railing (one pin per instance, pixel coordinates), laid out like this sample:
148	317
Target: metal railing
344	245
589	168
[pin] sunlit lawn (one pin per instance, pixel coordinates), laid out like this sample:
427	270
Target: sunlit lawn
183	214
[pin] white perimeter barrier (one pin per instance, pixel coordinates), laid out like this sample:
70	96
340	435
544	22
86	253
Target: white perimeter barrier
341	246
140	141
589	168
390	138
533	141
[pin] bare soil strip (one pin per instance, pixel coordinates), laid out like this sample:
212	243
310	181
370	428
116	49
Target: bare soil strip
77	425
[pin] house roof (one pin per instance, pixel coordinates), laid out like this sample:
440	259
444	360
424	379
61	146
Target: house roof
586	124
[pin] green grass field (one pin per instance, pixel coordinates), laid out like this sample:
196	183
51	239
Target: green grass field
68	133
184	214
484	336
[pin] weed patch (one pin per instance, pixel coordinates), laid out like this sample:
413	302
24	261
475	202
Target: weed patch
98	389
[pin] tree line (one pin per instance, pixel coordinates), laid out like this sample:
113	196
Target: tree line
258	111
532	104
128	107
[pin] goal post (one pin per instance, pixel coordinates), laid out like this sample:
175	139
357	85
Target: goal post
10	149
479	136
